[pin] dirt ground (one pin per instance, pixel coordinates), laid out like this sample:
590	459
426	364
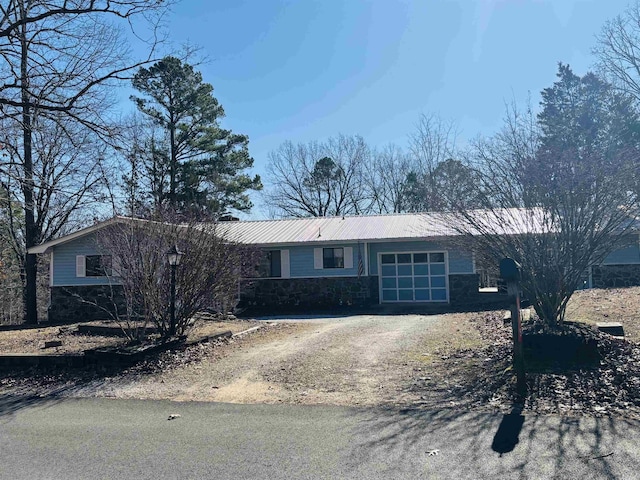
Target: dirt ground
356	360
457	360
33	340
613	305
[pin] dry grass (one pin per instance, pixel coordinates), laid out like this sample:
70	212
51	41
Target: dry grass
454	332
205	328
614	305
33	340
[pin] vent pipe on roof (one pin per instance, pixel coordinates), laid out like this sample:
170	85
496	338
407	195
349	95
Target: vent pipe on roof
319	234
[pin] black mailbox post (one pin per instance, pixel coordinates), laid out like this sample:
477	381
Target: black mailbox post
510	273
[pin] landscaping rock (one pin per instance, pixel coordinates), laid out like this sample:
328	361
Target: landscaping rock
611	328
109	330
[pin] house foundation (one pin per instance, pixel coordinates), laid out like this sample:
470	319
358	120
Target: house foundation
308	293
615	276
84	303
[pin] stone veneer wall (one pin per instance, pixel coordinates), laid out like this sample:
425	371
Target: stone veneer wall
321	293
77	304
608	276
463	289
309	293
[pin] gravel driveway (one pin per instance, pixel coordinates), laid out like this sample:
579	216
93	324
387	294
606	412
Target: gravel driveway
350	360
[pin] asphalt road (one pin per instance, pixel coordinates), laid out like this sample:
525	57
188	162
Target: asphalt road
132	439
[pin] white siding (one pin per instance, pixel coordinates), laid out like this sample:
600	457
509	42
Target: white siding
51	269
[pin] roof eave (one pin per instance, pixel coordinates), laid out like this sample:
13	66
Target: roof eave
47	246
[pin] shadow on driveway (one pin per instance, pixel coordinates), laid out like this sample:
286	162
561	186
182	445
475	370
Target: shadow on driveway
455	444
508	433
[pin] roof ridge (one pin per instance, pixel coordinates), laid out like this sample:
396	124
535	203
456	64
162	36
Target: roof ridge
333	217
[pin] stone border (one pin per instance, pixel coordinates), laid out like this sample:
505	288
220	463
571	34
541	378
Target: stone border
105	357
208	338
108	330
248	330
28	360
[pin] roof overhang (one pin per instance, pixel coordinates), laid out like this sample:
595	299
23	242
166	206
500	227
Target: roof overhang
47	246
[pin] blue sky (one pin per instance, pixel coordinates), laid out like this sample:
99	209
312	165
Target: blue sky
309	69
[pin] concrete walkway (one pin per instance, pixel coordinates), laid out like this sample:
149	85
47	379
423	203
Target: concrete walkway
101	438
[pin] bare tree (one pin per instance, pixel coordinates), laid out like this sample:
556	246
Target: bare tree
416	181
432	143
617	50
319	179
387	179
145	164
69	179
553	193
56	59
207	277
11	309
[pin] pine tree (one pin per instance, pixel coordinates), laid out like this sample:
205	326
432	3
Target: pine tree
203	164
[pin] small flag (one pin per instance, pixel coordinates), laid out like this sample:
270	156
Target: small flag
360	263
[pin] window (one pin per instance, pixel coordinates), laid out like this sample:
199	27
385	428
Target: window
388	258
98	265
333	258
271	264
274	264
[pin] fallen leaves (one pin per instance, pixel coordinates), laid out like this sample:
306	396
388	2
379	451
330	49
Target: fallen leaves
483	378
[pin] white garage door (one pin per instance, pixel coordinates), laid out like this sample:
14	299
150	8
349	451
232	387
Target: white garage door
413	277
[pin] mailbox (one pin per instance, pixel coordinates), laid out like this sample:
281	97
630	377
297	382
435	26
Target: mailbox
509	270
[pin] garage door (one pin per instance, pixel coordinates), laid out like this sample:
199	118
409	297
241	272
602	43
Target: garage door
413	277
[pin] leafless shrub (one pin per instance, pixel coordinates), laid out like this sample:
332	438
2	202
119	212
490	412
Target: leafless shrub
206	278
555	216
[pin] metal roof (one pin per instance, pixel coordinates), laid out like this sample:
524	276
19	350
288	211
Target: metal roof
334	229
358	228
369	228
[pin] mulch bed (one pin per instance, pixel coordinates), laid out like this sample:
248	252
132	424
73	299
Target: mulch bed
577	370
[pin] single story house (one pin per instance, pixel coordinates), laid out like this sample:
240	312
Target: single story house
324	262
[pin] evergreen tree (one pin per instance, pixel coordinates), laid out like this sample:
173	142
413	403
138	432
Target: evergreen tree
197	168
588	130
570	168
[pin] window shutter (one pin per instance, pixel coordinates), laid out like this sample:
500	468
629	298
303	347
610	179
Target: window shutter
285	270
51	269
348	257
317	258
81	266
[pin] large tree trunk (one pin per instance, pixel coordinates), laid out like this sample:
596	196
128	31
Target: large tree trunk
31	236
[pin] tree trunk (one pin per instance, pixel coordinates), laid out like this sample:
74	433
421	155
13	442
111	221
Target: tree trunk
172	166
31	236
